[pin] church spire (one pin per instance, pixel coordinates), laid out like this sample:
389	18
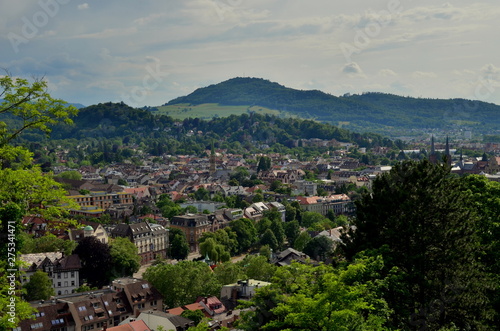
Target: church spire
433	156
447	153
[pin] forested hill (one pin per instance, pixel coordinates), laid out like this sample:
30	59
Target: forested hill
366	111
244	133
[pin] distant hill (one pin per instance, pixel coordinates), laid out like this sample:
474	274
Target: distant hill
366	112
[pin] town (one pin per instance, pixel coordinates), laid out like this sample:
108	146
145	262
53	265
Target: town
168	209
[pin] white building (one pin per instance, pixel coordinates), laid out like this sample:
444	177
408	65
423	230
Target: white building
63	270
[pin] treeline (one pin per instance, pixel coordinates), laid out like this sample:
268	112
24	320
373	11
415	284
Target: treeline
112	132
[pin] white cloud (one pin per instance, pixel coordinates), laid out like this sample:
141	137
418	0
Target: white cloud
423	74
386	73
83	6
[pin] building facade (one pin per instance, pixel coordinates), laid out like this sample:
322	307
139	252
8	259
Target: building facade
151	240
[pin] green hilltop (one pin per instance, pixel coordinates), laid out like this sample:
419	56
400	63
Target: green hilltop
375	112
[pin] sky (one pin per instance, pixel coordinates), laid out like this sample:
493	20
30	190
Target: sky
151	51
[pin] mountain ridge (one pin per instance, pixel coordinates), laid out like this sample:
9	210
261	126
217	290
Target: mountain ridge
371	110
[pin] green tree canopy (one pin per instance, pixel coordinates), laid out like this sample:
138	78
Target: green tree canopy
39	287
125	260
182	283
94	255
179	247
29	106
424	225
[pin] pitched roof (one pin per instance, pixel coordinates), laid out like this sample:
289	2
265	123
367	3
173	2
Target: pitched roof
132	326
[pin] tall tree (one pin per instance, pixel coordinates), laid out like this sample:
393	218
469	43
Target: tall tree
95	256
39	287
124	257
424	225
182	283
179	247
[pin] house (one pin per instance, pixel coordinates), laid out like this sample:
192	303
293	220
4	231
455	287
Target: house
193	227
63	270
338	203
289	255
155	318
135	325
139	293
212	305
50	315
91	229
150	239
243	289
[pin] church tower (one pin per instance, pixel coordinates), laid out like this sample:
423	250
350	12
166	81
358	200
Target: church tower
432	155
447	154
212	159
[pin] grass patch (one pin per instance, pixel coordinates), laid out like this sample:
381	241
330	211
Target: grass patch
208	111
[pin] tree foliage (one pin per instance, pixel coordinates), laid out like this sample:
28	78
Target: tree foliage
179	247
39	287
125	260
94	255
29	106
182	283
425	227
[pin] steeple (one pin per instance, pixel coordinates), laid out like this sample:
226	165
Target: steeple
432	155
447	154
212	159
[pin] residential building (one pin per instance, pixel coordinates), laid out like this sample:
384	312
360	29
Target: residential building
150	239
193	227
140	294
340	204
91	229
63	270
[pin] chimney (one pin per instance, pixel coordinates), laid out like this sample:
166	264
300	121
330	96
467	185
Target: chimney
205	300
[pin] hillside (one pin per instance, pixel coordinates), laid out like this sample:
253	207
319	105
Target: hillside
366	112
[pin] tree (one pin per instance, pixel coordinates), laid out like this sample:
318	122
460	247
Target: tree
94	255
269	239
424	225
319	248
301	241
39	287
29	106
264	164
306	297
24	189
73	174
194	315
182	283
179	247
245	232
258	267
215	251
278	231
48	243
125	260
292	231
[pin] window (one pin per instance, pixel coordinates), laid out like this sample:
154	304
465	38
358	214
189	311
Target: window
59	292
65	275
72	283
58	284
72	274
59	275
65	283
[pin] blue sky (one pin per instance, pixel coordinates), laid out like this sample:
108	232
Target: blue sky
149	52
